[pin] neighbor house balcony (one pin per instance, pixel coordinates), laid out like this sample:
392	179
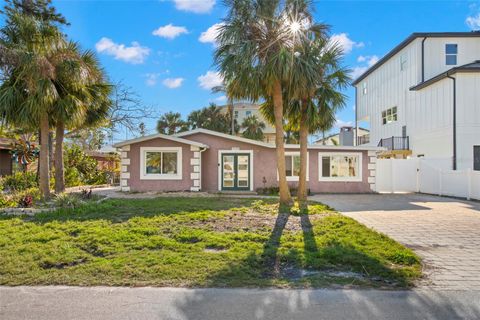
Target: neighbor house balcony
363	139
397	147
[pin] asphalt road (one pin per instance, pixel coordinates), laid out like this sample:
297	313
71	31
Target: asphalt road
175	303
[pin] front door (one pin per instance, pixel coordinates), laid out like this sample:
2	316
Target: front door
236	171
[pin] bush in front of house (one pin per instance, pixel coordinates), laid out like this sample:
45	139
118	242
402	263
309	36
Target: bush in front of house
80	169
19	181
273	191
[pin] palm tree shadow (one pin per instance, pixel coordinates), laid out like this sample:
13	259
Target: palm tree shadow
270	250
310	245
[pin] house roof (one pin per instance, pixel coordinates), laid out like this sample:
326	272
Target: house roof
333	135
410	39
470	67
226	136
6	143
159	135
271	145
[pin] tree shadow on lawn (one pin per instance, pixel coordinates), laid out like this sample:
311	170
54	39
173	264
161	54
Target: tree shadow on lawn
334	264
121	210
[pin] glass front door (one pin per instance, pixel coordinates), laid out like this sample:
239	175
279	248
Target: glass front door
235	171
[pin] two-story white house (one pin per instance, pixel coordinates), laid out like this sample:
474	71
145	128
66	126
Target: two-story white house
423	99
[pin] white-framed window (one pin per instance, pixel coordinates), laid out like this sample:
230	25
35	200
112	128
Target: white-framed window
451	51
389	115
403	62
341	166
248	113
161	163
292	165
364	90
236	114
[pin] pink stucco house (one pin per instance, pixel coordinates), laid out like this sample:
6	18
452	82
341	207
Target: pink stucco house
204	160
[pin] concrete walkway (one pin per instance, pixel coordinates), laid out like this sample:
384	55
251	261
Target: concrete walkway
222	304
445	232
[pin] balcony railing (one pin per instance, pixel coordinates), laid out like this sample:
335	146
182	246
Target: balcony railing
395	143
363	139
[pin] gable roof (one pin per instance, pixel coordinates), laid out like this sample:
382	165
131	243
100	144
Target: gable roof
469	67
410	39
226	136
162	136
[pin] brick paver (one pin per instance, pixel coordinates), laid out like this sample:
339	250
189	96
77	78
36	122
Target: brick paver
445	232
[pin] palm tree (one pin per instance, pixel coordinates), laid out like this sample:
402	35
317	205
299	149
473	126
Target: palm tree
27	94
253	128
82	91
171	123
319	97
255	55
213	118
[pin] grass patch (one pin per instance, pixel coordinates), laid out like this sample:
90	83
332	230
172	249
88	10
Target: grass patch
199	242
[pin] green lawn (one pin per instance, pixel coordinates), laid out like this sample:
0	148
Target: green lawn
201	242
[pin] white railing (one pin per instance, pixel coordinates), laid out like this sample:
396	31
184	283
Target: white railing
420	175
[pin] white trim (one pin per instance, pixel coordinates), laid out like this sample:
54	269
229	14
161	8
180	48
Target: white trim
359	176
297	178
159	135
220	152
144	176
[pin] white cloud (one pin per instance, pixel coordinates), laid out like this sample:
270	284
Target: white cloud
151	79
170	31
195	6
210	35
173	83
340	123
209	80
473	22
357	72
134	54
370	60
345	42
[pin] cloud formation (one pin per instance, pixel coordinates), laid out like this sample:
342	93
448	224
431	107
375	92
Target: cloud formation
210	35
170	31
345	42
134	54
368	60
195	6
210	80
473	22
151	79
173	83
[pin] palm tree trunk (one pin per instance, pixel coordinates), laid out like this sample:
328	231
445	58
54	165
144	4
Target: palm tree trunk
284	192
51	164
59	170
302	181
44	161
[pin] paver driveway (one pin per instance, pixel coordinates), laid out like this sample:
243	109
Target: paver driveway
445	232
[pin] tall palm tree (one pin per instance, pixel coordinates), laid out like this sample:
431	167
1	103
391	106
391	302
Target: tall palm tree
319	97
27	94
171	123
253	128
255	55
82	90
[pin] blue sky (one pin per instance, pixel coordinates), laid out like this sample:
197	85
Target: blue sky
170	68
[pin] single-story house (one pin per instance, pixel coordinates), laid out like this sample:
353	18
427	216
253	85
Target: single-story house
204	160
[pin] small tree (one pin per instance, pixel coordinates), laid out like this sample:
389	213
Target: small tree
253	128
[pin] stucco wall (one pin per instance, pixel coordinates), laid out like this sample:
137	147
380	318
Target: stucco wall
134	183
264	165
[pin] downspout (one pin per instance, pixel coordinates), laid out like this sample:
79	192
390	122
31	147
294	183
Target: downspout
355	136
454	121
423	59
201	151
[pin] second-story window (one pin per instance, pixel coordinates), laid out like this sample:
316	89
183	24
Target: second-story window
403	62
451	51
248	113
236	114
389	115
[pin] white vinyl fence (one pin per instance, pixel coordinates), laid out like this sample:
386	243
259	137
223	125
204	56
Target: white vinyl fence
419	175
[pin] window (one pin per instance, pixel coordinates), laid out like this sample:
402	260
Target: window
292	165
340	166
451	51
248	113
389	115
236	114
403	62
364	88
161	163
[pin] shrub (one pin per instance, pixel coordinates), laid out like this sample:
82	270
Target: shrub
19	181
68	200
273	191
6	201
80	169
